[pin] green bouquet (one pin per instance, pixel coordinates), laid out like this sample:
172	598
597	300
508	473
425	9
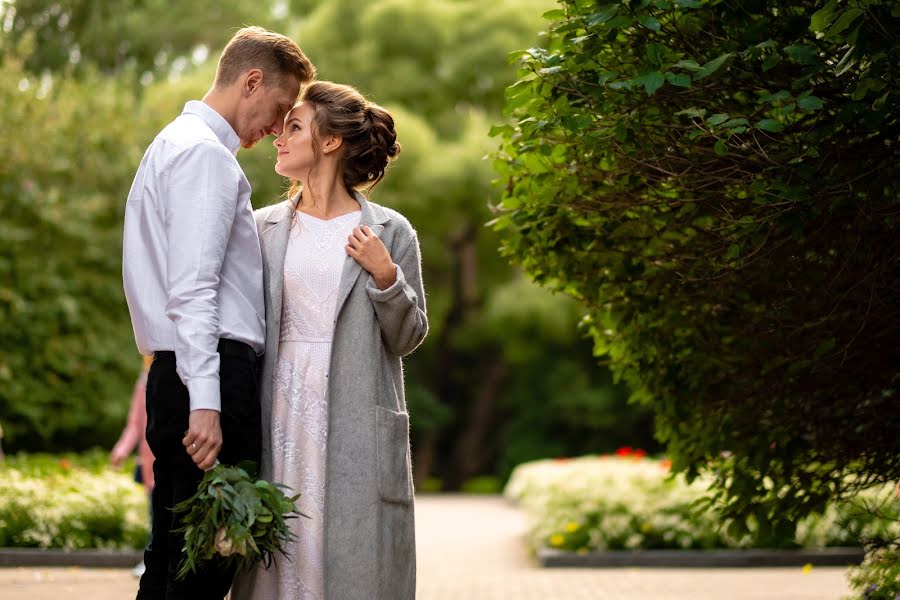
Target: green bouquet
233	515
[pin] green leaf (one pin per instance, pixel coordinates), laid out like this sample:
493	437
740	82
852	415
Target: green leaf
802	53
650	23
690	65
651	81
809	103
771	62
692	112
720	148
822	17
846	62
602	17
554	14
679	79
769	125
605	76
717	119
738	122
712	66
733	252
844	21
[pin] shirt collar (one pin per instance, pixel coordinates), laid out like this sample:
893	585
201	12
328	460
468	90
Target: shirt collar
223	130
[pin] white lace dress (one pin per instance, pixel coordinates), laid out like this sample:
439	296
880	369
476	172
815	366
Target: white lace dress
312	273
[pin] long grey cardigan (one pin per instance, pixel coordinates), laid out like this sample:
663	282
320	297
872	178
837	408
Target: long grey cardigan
370	547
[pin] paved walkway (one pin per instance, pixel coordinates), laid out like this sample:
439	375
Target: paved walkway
470	548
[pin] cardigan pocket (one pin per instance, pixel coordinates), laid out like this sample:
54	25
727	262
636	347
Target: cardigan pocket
392	455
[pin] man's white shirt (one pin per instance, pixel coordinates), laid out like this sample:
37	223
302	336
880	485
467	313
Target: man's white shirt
192	264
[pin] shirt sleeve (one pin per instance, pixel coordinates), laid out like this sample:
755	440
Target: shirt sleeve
202	188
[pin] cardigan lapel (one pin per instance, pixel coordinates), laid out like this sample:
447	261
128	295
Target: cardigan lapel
275	240
375	217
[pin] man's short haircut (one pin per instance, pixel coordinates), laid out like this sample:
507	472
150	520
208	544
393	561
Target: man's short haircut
276	55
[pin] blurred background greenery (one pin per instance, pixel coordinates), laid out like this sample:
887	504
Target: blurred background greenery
506	375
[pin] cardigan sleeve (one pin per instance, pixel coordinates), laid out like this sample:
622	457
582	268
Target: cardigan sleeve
400	308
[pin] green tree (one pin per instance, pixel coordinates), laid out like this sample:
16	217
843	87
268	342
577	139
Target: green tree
717	184
66	361
137	36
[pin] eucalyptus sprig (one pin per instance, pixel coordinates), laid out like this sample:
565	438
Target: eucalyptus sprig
235	516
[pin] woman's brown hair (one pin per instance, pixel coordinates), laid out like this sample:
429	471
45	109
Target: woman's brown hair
369	141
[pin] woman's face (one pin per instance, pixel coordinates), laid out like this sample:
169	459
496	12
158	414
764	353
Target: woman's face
295	144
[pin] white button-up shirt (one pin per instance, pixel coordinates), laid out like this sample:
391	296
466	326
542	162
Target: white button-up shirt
192	264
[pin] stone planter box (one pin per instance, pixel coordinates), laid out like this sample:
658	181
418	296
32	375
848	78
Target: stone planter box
38	557
825	557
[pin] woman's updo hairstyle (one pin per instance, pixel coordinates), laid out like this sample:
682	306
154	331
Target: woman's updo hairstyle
369	140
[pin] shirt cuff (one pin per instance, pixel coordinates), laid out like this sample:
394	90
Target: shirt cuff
204	393
388	292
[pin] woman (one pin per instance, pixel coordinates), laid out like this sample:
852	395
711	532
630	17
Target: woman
344	303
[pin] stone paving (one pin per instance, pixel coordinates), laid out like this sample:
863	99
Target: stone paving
470	548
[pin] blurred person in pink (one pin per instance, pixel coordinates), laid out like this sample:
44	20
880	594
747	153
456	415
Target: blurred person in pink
134	434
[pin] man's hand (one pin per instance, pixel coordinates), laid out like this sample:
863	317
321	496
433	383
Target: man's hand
204	437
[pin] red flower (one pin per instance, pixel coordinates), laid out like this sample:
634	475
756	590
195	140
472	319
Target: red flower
65	464
665	464
624	451
639	453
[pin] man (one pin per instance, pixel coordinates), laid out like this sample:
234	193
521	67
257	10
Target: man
193	280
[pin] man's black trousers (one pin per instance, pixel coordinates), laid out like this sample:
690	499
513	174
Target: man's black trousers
175	474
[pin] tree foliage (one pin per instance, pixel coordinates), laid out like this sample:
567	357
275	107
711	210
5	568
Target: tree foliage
479	398
67	360
717	183
136	36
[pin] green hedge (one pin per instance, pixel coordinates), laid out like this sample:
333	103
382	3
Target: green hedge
71	502
630	502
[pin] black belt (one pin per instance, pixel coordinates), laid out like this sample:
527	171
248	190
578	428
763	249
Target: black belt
226	348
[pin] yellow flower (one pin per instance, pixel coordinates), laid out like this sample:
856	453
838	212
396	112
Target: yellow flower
572	526
557	539
807	568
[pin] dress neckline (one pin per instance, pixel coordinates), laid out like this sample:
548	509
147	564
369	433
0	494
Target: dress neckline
300	212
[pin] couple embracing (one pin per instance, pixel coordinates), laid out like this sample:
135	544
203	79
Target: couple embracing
277	335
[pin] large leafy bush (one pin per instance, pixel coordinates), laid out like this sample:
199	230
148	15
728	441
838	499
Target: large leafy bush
717	183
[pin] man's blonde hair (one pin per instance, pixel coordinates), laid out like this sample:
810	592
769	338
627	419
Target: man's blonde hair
276	55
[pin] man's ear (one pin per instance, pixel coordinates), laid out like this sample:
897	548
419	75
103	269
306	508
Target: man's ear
253	80
332	143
